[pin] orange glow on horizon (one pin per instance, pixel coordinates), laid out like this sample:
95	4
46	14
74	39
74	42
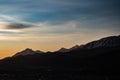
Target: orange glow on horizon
11	47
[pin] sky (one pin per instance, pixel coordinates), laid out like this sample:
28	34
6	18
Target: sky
48	25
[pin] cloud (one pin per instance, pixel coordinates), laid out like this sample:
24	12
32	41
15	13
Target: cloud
17	26
89	14
71	31
60	10
9	32
52	28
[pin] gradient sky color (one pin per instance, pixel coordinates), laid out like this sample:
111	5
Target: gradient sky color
52	24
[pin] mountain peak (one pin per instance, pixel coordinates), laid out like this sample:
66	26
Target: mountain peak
110	41
27	51
38	51
62	50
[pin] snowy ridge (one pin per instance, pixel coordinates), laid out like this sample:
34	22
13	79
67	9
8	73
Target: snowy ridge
27	51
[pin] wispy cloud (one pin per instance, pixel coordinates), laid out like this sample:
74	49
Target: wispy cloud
8	18
17	26
58	17
11	22
58	11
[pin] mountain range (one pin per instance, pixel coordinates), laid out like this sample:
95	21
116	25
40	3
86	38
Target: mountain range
97	57
112	41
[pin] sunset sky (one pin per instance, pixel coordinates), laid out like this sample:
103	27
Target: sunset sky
48	25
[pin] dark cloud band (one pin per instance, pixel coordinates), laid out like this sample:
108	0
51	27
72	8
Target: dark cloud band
17	26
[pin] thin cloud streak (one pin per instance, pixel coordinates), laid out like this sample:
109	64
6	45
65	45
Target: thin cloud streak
42	32
17	26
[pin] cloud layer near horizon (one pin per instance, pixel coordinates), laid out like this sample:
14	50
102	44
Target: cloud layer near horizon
37	20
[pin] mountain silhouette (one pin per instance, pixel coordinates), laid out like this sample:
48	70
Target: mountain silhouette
62	50
27	51
112	41
100	57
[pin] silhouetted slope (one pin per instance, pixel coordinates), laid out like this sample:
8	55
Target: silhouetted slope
103	59
112	41
27	52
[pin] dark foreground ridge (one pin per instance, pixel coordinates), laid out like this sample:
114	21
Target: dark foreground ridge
97	60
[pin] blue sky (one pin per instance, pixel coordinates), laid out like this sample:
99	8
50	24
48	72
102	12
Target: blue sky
85	14
46	22
57	11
